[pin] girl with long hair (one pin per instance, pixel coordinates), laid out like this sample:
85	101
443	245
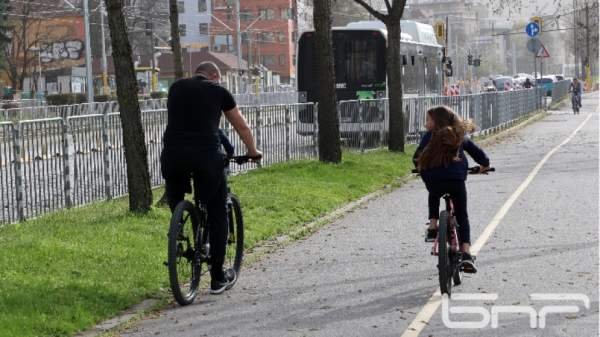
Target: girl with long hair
443	166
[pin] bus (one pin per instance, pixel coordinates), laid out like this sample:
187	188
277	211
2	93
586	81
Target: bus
360	64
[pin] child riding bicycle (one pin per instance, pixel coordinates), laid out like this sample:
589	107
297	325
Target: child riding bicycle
443	166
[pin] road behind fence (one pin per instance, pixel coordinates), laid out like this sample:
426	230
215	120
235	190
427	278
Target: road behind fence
61	162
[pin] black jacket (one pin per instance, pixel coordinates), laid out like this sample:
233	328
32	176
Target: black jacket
456	170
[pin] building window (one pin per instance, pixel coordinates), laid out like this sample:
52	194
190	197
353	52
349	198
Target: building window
286	13
281	37
203	28
282	61
181	7
202	6
223	43
267	37
266	14
182	30
267	60
246	16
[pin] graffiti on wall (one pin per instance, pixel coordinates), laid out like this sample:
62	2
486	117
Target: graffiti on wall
61	50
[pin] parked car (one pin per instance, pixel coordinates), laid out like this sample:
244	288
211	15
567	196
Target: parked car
560	77
503	82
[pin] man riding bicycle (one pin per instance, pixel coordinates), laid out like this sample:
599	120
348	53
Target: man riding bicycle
576	89
193	147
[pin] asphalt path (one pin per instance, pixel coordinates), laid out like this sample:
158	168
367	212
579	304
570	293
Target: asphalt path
370	273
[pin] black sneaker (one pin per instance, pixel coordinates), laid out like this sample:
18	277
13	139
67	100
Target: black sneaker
219	286
467	263
431	235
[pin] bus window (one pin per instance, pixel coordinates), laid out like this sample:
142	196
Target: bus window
412	60
356	61
404	60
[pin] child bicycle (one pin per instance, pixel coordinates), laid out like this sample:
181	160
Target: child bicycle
446	244
188	255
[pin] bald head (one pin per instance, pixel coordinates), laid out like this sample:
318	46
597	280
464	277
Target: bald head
209	70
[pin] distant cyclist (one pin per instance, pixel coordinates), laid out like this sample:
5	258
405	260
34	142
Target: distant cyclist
576	89
192	147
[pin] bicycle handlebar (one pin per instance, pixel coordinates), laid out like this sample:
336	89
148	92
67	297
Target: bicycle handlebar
241	160
472	170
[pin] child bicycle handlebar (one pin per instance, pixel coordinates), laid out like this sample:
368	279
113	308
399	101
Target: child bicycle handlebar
241	160
472	170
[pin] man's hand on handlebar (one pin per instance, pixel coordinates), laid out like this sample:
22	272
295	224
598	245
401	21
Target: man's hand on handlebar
255	155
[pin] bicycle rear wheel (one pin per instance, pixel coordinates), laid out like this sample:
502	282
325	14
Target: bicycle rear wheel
182	255
234	251
444	266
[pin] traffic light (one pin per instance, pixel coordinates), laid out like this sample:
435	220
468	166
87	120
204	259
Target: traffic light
439	30
470	59
477	62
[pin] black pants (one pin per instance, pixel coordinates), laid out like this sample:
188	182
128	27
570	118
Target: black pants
458	191
210	187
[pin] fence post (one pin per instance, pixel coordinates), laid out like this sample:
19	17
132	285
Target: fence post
258	127
287	132
381	110
316	129
361	133
18	153
68	162
106	149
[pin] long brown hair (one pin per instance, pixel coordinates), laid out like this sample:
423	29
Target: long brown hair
446	138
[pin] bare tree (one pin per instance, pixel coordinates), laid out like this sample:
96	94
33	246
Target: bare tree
329	133
138	178
175	41
391	19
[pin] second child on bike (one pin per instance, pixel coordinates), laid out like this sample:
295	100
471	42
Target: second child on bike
443	166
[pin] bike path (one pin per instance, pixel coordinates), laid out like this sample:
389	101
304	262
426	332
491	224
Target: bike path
369	273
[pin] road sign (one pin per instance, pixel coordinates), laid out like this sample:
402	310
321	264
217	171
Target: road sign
543	52
533	45
532	29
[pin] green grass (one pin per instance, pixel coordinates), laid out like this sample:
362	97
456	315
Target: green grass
64	272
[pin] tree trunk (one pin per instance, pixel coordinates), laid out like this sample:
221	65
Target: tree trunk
138	178
175	41
394	75
329	133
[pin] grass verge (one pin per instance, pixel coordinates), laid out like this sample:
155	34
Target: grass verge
65	272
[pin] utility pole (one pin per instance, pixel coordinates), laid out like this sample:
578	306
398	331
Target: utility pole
105	87
88	53
575	59
238	39
587	44
514	57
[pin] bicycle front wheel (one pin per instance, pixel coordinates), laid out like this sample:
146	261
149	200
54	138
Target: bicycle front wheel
444	266
234	251
182	257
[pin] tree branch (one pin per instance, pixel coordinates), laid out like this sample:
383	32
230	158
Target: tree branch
378	15
388	6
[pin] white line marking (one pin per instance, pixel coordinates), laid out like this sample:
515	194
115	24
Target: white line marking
423	317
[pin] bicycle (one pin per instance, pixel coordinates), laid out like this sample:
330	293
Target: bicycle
447	249
188	244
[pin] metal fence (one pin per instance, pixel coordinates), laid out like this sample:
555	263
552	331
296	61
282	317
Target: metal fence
53	163
364	123
27	111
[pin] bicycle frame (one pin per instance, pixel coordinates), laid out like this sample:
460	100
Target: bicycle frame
451	226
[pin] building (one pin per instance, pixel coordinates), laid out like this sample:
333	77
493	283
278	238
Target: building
194	23
269	31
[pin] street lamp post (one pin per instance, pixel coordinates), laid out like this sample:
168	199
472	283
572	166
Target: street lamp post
39	79
88	52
